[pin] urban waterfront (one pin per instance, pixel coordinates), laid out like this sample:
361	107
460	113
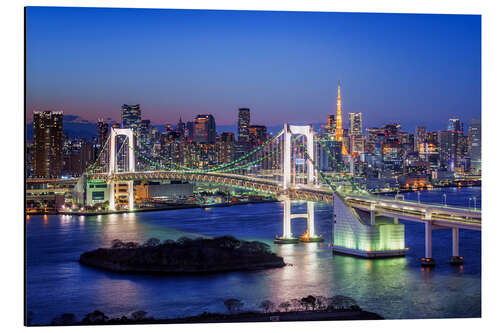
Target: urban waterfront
393	288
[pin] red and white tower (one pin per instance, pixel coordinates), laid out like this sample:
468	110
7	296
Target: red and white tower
339	130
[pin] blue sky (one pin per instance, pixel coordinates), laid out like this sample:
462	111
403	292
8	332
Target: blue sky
413	69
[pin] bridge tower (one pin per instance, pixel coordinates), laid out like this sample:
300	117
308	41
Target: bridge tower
129	134
287	169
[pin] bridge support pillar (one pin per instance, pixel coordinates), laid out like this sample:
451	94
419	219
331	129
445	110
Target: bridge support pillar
372	214
310	235
428	260
130	195
112	196
287	237
456	259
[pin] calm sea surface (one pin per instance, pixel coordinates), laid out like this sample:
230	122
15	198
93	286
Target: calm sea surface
394	288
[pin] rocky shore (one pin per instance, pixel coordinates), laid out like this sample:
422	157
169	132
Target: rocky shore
184	256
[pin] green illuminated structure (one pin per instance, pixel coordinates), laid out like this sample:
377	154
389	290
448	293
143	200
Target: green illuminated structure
358	233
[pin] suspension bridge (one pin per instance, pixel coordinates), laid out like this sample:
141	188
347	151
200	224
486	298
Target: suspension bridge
284	166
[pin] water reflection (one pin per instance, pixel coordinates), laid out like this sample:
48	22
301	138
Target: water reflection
395	288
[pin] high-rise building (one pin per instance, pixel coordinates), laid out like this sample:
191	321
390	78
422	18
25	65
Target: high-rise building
227	137
144	133
131	116
189	132
456	125
419	140
257	134
204	129
448	142
181	126
243	124
225	148
475	144
47	144
339	130
330	125
102	132
355	124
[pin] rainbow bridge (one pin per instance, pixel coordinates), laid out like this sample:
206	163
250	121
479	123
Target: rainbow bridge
285	166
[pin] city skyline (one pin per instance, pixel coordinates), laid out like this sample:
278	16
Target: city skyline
434	75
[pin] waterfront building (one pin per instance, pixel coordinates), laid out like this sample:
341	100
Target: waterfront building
243	125
475	144
47	143
131	116
204	129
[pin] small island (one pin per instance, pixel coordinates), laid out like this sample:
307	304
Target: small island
184	256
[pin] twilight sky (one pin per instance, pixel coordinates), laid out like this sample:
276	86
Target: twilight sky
413	69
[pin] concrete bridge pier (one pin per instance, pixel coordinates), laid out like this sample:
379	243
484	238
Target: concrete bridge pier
428	260
310	235
456	259
287	237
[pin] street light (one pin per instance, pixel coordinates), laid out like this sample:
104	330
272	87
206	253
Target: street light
418	196
474	198
444	198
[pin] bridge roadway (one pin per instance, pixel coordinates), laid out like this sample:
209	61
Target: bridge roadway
439	215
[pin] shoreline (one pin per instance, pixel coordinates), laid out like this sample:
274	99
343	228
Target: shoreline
242	317
152	209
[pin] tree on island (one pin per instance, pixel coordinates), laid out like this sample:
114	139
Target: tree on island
341	302
117	244
64	319
267	306
285	306
95	318
233	305
152	242
139	315
308	302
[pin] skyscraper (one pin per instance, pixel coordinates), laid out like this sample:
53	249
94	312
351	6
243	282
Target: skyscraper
47	143
355	124
448	142
339	131
475	144
204	129
330	125
257	134
456	125
131	116
102	132
420	135
243	124
145	134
